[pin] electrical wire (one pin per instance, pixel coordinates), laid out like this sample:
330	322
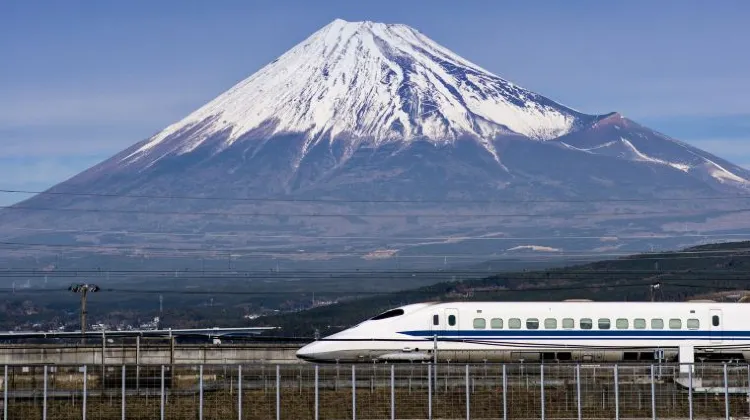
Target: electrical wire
557	213
426	292
381	273
271	252
378	201
393	238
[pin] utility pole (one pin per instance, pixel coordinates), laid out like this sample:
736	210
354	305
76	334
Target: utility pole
161	311
83	290
654	288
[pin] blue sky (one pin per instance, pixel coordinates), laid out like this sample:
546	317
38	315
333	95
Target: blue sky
81	80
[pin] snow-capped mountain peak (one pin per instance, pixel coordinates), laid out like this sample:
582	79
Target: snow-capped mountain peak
347	145
374	82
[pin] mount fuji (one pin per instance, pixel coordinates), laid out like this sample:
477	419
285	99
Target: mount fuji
370	141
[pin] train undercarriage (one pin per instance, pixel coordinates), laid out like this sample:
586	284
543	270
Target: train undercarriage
644	355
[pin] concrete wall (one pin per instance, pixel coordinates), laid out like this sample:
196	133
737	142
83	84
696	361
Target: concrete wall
146	354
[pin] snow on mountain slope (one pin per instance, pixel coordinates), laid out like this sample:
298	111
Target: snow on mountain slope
617	136
638	155
371	82
624	148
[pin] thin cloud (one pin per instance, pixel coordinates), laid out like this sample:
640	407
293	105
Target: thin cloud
38	109
663	97
41	171
735	150
61	147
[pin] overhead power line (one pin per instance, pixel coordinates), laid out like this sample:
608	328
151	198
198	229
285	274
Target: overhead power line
425	292
325	273
271	252
603	237
470	258
383	201
437	278
558	214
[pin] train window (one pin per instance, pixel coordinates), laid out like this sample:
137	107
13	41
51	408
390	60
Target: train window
436	319
621	323
568	323
388	314
639	323
496	323
657	324
532	324
550	324
586	323
715	320
480	323
452	320
675	324
514	323
693	324
604	323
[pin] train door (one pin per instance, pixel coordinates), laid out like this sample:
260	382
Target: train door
716	326
450	318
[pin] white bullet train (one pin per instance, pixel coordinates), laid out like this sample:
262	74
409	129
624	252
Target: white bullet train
535	331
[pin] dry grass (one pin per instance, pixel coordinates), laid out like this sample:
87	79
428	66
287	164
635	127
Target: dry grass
373	393
560	402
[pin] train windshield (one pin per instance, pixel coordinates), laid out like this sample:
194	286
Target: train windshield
388	314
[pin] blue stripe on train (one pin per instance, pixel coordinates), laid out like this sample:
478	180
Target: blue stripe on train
581	334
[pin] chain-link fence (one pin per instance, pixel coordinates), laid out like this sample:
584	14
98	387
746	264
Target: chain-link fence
376	391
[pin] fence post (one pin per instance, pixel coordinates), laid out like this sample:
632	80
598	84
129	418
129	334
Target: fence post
137	364
434	352
278	392
5	393
239	392
162	396
85	387
505	394
354	392
429	391
617	393
317	391
44	401
653	394
122	404
541	381
578	390
726	393
104	357
690	392
393	392
468	395
200	392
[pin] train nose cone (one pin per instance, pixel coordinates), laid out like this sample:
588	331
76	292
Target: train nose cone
308	352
